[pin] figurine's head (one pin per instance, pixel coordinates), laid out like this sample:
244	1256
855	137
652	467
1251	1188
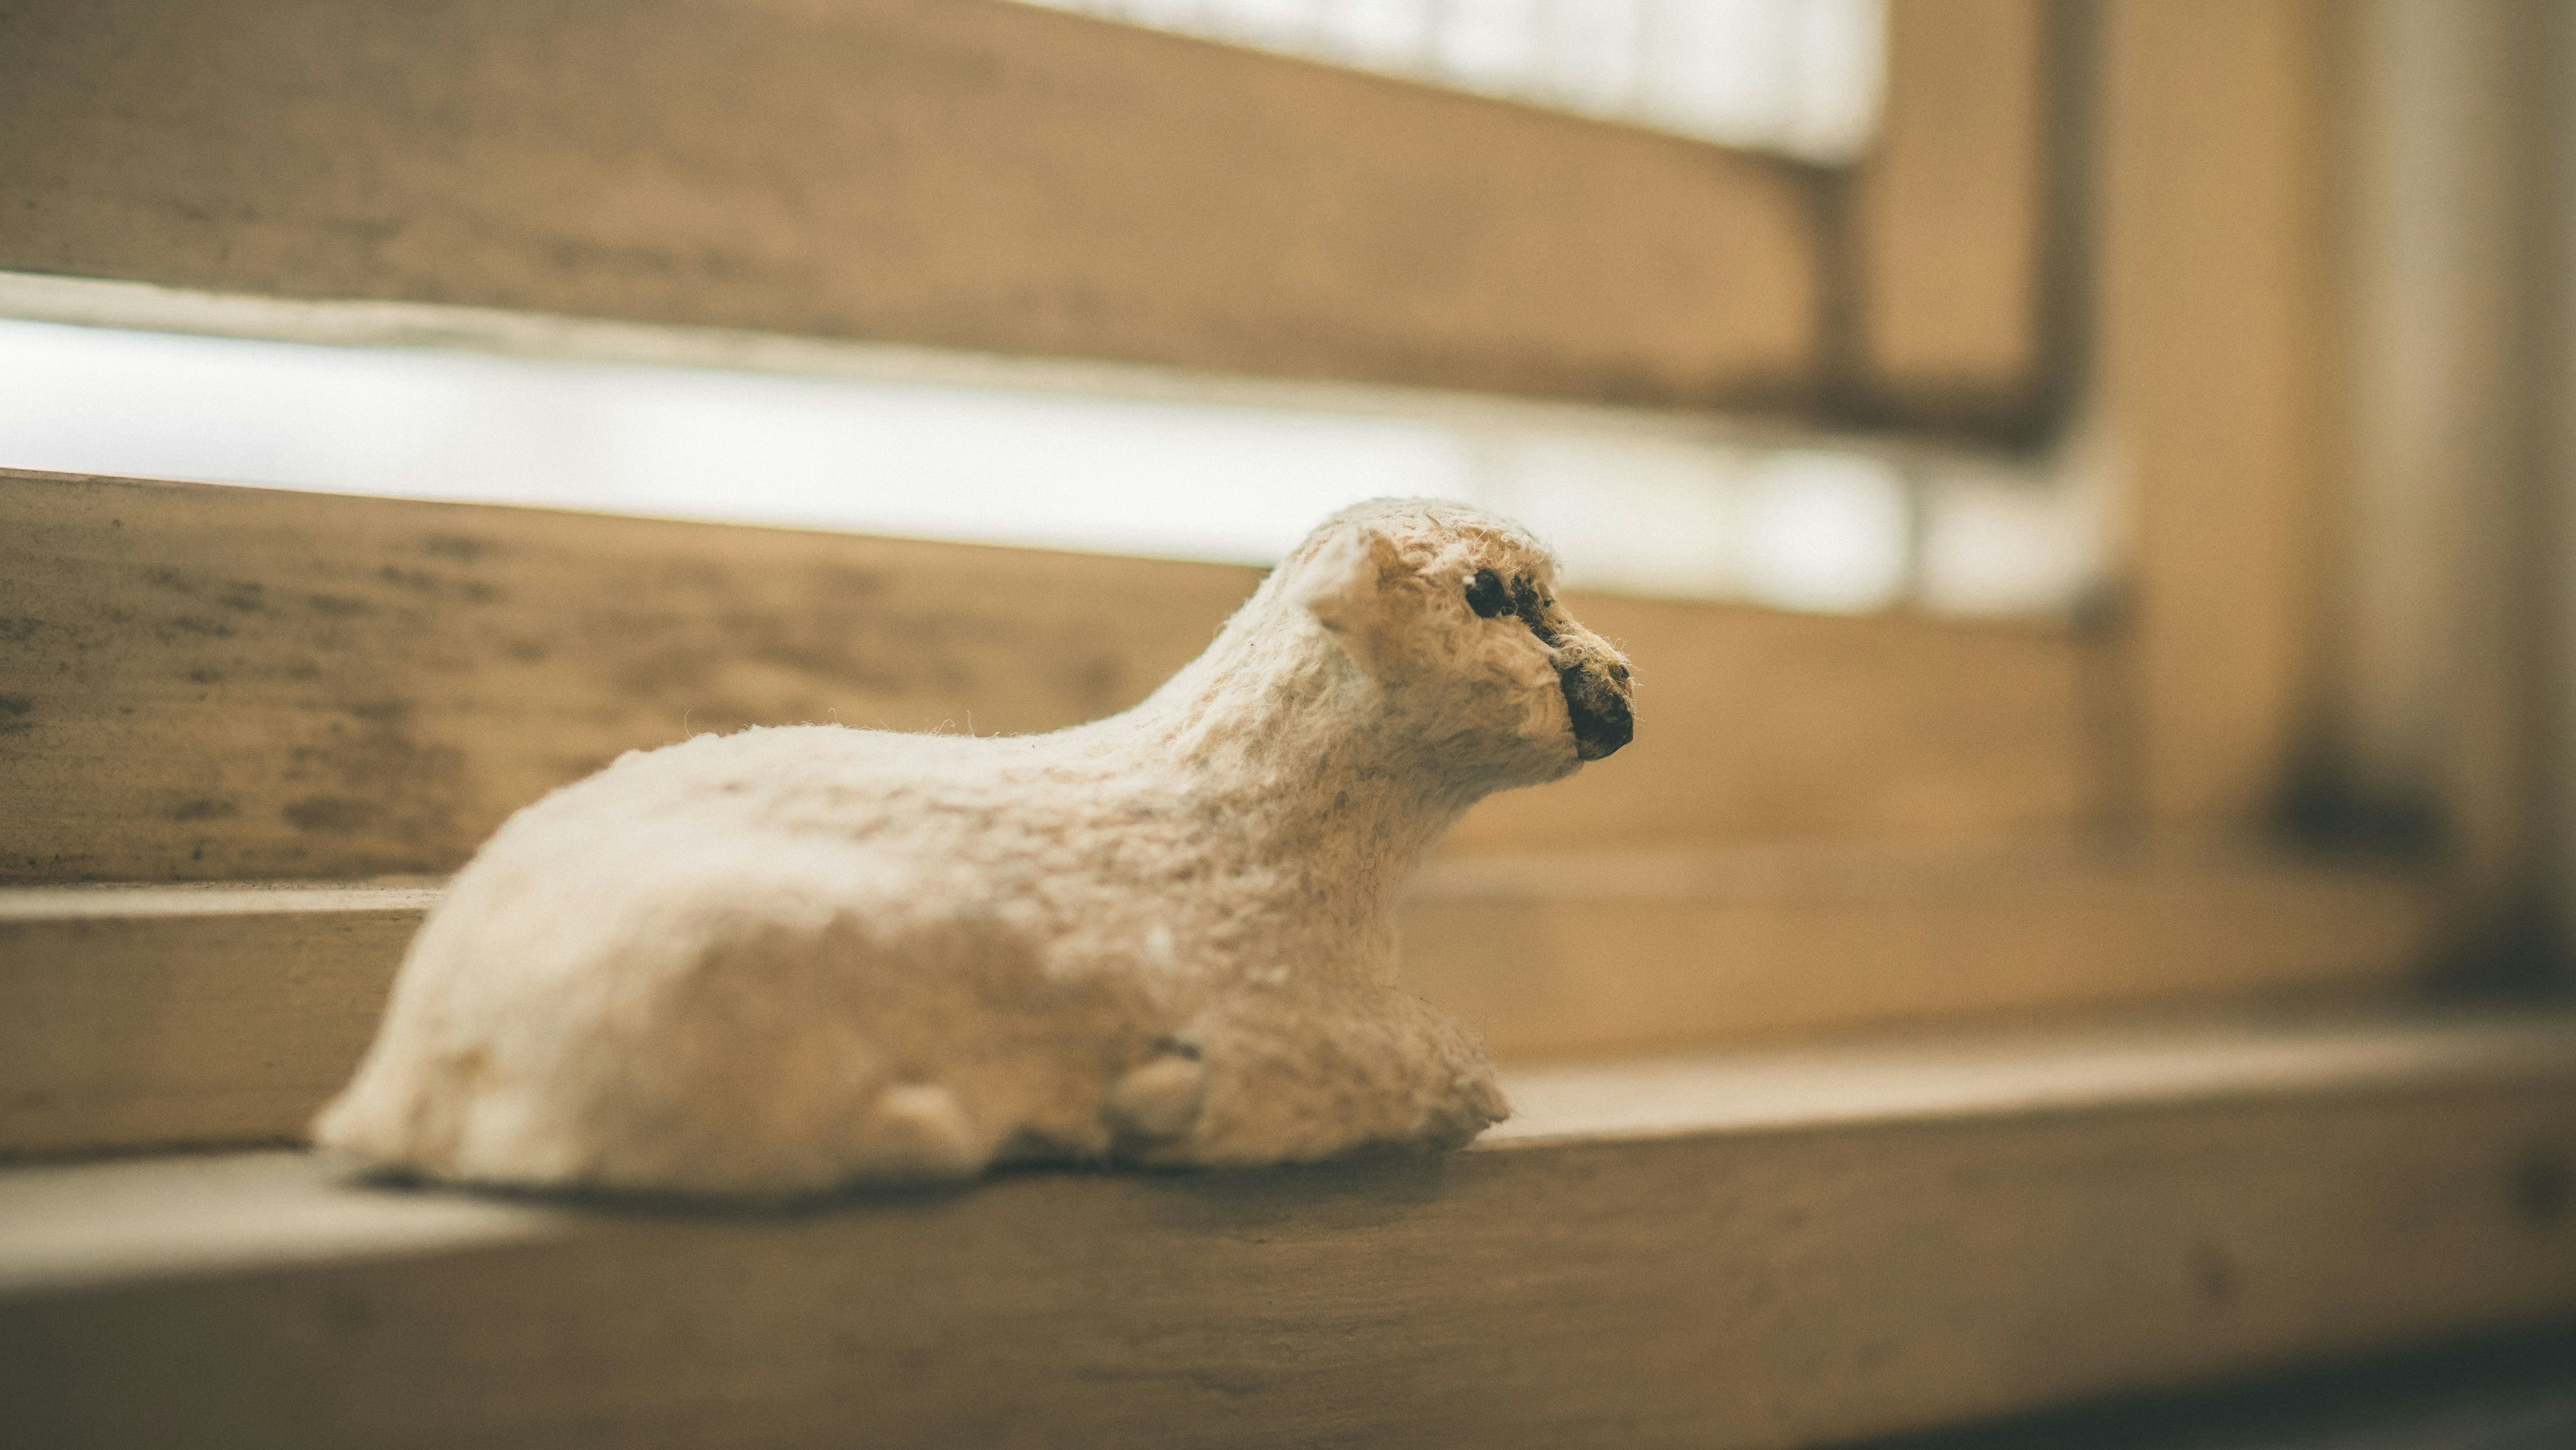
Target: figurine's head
1453	612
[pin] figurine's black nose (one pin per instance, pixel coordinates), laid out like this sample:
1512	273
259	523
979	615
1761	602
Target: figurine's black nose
1602	722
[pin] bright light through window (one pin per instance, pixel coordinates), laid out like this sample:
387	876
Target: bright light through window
1800	77
1825	531
936	446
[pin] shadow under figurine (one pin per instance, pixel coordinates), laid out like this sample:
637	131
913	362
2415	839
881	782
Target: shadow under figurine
793	959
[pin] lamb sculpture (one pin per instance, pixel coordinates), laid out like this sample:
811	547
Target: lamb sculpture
792	959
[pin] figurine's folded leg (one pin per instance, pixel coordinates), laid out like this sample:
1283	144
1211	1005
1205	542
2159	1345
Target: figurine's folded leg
1153	1109
1300	1077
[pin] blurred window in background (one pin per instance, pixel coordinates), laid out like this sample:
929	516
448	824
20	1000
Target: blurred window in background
1174	468
1796	77
1117	459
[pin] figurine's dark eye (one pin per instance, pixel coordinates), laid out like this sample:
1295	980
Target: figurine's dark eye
1486	594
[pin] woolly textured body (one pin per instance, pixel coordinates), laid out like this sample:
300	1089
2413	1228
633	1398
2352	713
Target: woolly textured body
788	959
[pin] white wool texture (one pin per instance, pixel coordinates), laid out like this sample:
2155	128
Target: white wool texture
794	959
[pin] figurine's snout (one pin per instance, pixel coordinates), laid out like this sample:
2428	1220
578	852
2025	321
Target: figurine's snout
1596	697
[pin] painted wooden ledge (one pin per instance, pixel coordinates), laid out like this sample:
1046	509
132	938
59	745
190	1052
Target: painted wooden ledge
1615	951
135	1017
1769	1250
150	1016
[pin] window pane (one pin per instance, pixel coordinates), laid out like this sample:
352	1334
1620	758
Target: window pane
1669	504
1799	77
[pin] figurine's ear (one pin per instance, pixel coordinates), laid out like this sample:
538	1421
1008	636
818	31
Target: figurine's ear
1338	584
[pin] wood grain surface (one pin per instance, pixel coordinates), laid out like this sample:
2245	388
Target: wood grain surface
214	1014
2215	306
1614	952
181	1016
956	173
1961	1240
1952	231
214	683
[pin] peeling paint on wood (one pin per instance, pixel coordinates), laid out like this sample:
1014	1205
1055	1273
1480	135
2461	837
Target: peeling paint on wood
224	683
365	686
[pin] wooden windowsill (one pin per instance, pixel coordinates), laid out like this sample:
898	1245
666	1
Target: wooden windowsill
1765	1250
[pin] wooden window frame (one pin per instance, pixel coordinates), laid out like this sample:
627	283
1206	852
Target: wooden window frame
983	175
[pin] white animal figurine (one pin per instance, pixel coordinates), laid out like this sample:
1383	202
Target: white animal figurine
793	959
